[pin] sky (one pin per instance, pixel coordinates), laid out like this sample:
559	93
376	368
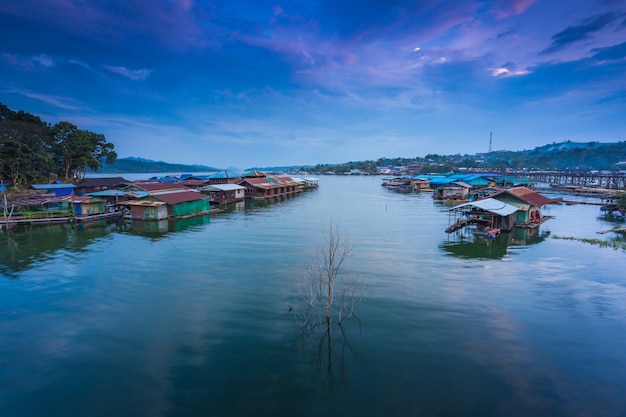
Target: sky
241	83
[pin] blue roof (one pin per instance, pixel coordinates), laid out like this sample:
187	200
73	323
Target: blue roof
226	174
441	180
50	187
107	193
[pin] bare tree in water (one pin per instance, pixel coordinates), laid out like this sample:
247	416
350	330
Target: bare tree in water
327	298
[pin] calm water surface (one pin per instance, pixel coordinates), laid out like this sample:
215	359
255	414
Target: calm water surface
191	318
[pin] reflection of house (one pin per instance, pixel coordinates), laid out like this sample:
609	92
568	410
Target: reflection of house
167	200
92	185
267	187
224	193
527	202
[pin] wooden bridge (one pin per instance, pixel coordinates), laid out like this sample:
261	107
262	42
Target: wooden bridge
612	180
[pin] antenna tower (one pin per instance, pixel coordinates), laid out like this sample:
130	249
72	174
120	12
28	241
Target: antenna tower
490	140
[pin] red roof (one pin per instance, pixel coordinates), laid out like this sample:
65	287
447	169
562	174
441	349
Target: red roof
528	196
160	186
260	183
270	183
179	197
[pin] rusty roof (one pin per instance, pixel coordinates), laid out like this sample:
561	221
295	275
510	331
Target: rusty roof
160	186
528	196
102	182
260	183
179	197
283	180
195	183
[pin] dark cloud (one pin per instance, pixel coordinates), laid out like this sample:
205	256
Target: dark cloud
579	32
612	53
504	34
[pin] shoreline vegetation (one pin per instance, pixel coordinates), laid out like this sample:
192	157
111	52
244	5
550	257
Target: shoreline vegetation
615	244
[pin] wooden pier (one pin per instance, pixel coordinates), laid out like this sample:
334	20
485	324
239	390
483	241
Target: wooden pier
614	180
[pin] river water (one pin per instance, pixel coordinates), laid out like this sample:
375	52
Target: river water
191	318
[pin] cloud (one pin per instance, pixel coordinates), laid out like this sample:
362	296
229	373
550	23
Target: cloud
506	8
614	53
579	32
65	103
29	62
139	74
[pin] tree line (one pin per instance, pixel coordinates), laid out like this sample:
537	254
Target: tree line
32	150
565	156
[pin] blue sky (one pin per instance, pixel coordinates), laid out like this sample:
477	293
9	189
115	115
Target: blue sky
267	83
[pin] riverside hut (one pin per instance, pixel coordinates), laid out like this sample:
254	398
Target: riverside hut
267	187
528	205
224	193
167	200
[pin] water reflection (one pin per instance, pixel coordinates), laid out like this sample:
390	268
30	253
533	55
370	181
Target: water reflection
160	228
23	247
467	245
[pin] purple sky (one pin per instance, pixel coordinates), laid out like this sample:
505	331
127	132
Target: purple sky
258	83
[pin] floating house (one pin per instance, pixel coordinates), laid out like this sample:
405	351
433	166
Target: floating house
307	183
224	177
453	191
489	214
92	185
528	205
166	200
57	188
224	193
516	207
263	187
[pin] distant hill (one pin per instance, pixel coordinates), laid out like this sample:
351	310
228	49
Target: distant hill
140	165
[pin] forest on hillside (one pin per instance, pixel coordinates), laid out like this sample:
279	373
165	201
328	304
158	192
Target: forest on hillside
565	156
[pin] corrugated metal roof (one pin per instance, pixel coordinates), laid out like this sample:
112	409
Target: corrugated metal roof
228	187
102	182
491	205
49	187
226	174
179	197
261	183
286	181
108	193
160	186
144	203
528	196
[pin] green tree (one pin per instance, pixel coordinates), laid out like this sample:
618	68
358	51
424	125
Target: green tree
76	150
25	153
